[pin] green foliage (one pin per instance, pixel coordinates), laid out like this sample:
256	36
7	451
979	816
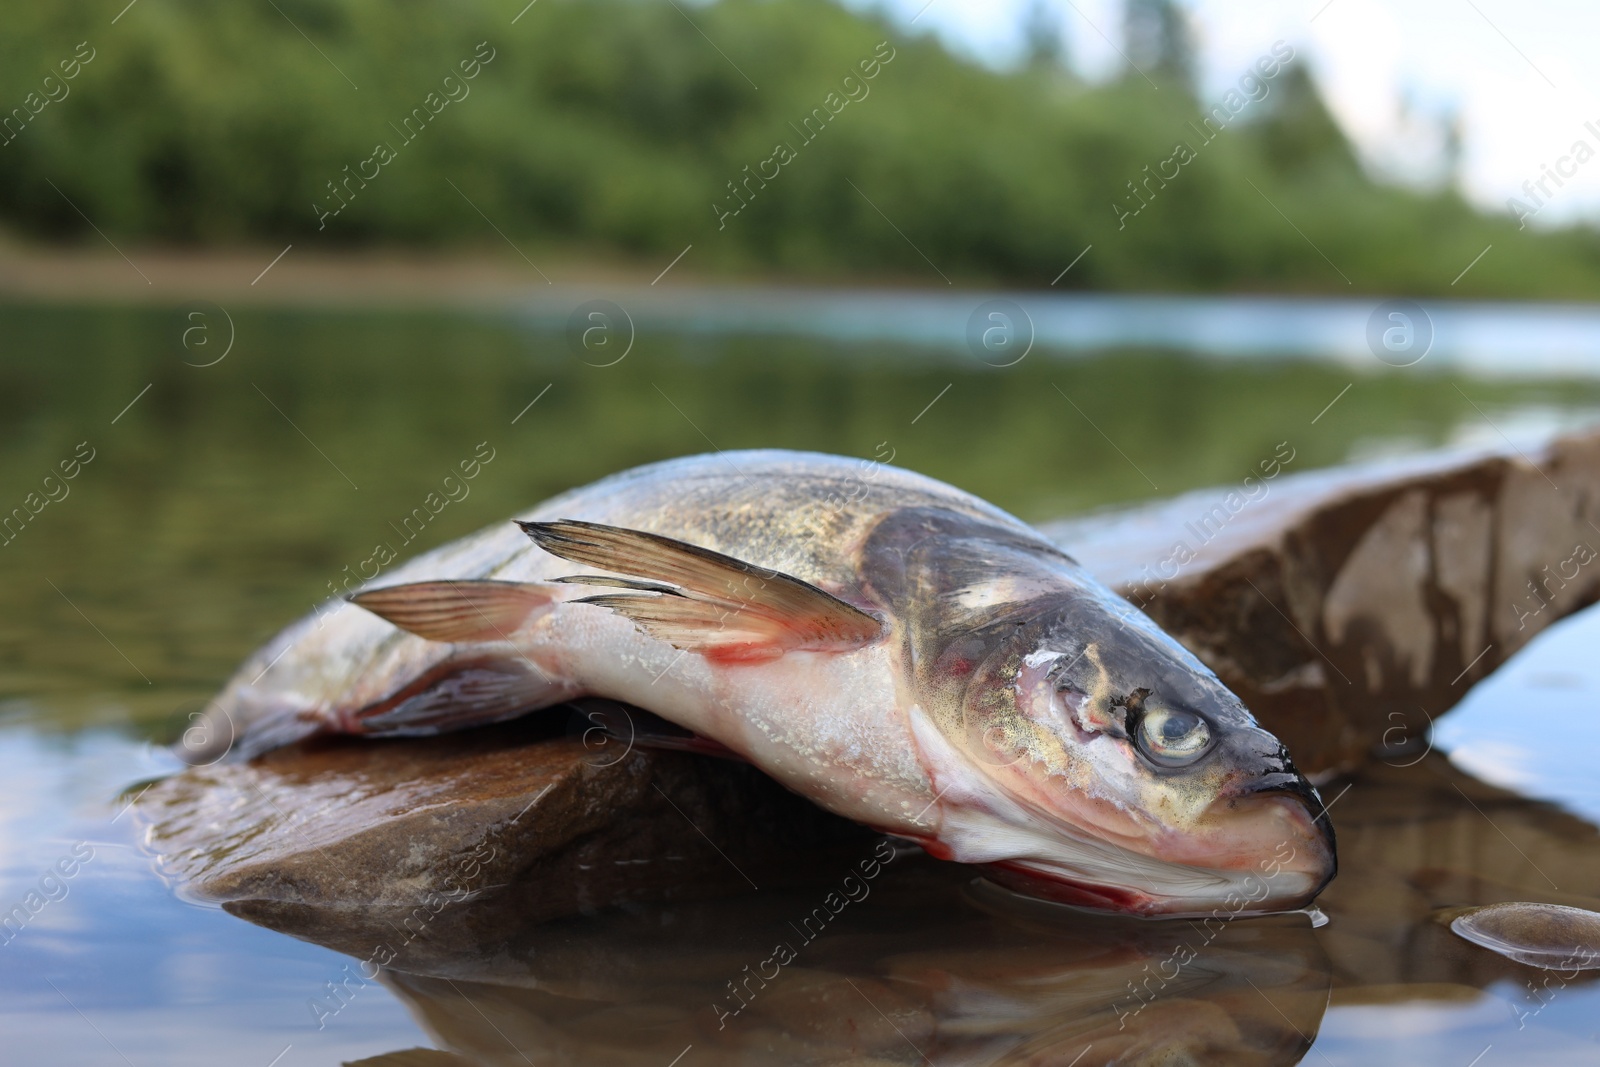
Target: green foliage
617	125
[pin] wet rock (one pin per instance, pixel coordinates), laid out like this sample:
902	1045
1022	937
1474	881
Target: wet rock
1349	607
412	827
1540	935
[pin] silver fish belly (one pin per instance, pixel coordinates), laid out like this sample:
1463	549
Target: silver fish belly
900	652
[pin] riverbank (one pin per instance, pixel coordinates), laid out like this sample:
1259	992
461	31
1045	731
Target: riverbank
545	287
303	277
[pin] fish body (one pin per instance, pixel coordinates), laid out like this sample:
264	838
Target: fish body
898	651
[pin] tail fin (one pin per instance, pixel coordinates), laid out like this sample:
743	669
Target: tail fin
461	693
457	694
257	722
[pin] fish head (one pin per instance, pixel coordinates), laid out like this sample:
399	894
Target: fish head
1128	776
1078	749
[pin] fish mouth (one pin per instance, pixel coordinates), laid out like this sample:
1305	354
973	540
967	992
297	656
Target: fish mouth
1246	897
1310	830
1262	848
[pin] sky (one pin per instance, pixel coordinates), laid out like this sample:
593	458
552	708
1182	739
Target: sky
1558	675
1519	76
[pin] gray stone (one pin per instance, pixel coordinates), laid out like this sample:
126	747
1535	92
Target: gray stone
1350	607
1552	936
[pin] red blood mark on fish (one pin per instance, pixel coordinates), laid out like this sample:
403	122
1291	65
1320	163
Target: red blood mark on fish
731	655
1034	884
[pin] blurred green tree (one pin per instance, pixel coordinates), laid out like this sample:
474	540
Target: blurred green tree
1159	41
1042	36
621	127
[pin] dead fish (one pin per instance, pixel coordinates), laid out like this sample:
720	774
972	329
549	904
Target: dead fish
898	651
1552	936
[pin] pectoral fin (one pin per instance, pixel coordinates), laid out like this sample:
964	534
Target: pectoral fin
724	608
458	611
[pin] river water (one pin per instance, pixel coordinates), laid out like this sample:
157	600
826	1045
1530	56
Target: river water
211	504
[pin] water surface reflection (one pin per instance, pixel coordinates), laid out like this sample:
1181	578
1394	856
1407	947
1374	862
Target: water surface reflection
925	966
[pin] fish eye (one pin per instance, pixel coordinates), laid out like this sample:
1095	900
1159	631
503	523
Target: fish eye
1172	737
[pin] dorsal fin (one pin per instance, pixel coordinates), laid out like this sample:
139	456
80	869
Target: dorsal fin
725	608
458	611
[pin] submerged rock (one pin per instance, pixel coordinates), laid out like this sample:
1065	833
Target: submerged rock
1350	607
1551	936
